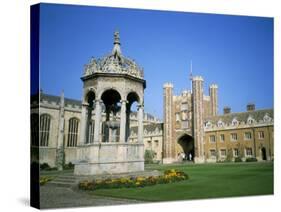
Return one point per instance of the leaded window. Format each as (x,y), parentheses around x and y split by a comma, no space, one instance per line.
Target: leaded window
(222,137)
(235,152)
(267,118)
(261,134)
(249,152)
(223,152)
(72,132)
(45,122)
(220,123)
(212,153)
(212,138)
(208,124)
(233,137)
(235,122)
(247,136)
(250,120)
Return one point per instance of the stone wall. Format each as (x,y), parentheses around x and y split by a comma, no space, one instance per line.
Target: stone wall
(105,158)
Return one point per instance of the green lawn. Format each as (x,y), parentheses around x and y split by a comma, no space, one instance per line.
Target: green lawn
(206,181)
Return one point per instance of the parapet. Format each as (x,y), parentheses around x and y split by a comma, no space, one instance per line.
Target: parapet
(197,78)
(214,86)
(168,85)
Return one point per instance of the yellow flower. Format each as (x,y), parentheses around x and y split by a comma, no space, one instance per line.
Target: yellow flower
(140,178)
(124,180)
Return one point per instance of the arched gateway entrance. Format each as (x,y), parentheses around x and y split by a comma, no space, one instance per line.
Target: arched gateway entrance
(187,143)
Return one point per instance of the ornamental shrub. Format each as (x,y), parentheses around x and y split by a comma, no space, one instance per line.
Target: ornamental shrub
(44,166)
(68,166)
(238,159)
(251,160)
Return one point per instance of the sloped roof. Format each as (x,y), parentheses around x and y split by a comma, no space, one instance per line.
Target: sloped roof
(241,116)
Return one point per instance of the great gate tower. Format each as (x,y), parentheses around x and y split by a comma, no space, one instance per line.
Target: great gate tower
(184,121)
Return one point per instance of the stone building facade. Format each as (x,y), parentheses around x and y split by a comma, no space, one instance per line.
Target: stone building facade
(50,107)
(240,135)
(225,136)
(193,129)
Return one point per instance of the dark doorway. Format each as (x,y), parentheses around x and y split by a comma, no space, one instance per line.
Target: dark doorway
(187,143)
(263,150)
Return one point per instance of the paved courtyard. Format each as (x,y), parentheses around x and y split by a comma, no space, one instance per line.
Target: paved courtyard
(57,197)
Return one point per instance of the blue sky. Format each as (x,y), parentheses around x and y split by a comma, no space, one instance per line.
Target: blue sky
(236,52)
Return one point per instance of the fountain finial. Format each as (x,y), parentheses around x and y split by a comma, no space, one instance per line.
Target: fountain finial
(116,49)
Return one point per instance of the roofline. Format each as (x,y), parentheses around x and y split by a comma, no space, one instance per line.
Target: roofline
(237,113)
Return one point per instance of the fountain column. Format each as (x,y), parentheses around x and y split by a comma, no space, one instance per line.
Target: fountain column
(123,121)
(140,123)
(97,121)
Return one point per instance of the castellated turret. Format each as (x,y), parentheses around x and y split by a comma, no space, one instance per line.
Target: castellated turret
(198,125)
(213,92)
(168,147)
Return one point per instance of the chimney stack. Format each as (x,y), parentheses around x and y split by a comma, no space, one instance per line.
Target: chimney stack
(251,107)
(226,110)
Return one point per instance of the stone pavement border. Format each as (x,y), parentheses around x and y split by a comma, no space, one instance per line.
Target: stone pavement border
(61,197)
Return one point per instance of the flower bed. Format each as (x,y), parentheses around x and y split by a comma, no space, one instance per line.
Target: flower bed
(133,182)
(44,180)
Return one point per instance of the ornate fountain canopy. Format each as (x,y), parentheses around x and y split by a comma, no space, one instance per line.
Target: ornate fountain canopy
(114,63)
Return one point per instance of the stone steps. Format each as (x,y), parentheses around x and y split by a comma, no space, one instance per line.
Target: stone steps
(66,181)
(61,184)
(70,181)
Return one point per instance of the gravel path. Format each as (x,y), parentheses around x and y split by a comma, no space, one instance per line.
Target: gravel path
(58,197)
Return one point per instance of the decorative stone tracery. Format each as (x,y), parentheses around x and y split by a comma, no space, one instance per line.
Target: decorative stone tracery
(114,63)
